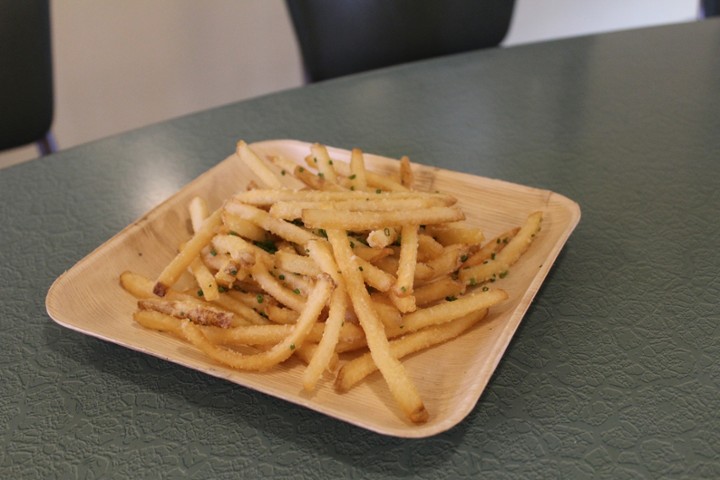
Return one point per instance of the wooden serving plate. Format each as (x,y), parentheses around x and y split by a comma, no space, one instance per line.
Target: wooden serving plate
(450,377)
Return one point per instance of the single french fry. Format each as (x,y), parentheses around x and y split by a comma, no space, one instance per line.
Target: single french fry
(454,233)
(520,242)
(289,298)
(281,315)
(198,210)
(285,165)
(292,262)
(401,387)
(266,197)
(375,277)
(388,313)
(442,288)
(228,271)
(200,313)
(407,179)
(294,281)
(278,353)
(357,176)
(405,304)
(248,315)
(215,260)
(490,249)
(251,335)
(408,260)
(428,247)
(321,254)
(239,250)
(370,254)
(307,352)
(359,221)
(270,334)
(191,250)
(137,285)
(450,310)
(382,238)
(243,228)
(326,348)
(205,279)
(159,321)
(444,264)
(389,263)
(499,267)
(258,166)
(281,228)
(357,369)
(292,209)
(323,163)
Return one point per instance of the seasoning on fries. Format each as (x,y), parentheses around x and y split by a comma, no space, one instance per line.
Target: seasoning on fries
(349,274)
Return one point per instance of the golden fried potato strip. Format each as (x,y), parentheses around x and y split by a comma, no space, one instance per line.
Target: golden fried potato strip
(401,386)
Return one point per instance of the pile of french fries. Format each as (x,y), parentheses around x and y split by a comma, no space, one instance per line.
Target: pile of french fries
(350,273)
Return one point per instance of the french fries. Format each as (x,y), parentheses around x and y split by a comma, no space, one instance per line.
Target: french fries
(350,274)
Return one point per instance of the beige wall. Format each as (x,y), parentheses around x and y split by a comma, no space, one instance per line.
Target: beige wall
(123,64)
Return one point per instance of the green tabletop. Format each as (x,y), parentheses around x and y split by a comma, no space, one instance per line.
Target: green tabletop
(613,373)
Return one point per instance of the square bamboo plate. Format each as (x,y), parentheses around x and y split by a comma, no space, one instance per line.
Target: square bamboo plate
(450,377)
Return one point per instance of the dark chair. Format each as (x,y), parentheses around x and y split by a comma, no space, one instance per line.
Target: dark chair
(340,37)
(710,8)
(26,82)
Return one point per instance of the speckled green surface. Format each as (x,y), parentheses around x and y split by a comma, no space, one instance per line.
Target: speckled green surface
(614,372)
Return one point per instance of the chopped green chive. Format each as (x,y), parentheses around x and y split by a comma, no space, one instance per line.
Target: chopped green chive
(267,245)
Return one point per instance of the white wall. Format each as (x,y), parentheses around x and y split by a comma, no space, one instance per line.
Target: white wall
(121,65)
(537,20)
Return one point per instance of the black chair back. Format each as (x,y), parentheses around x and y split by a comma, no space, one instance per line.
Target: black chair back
(340,37)
(26,81)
